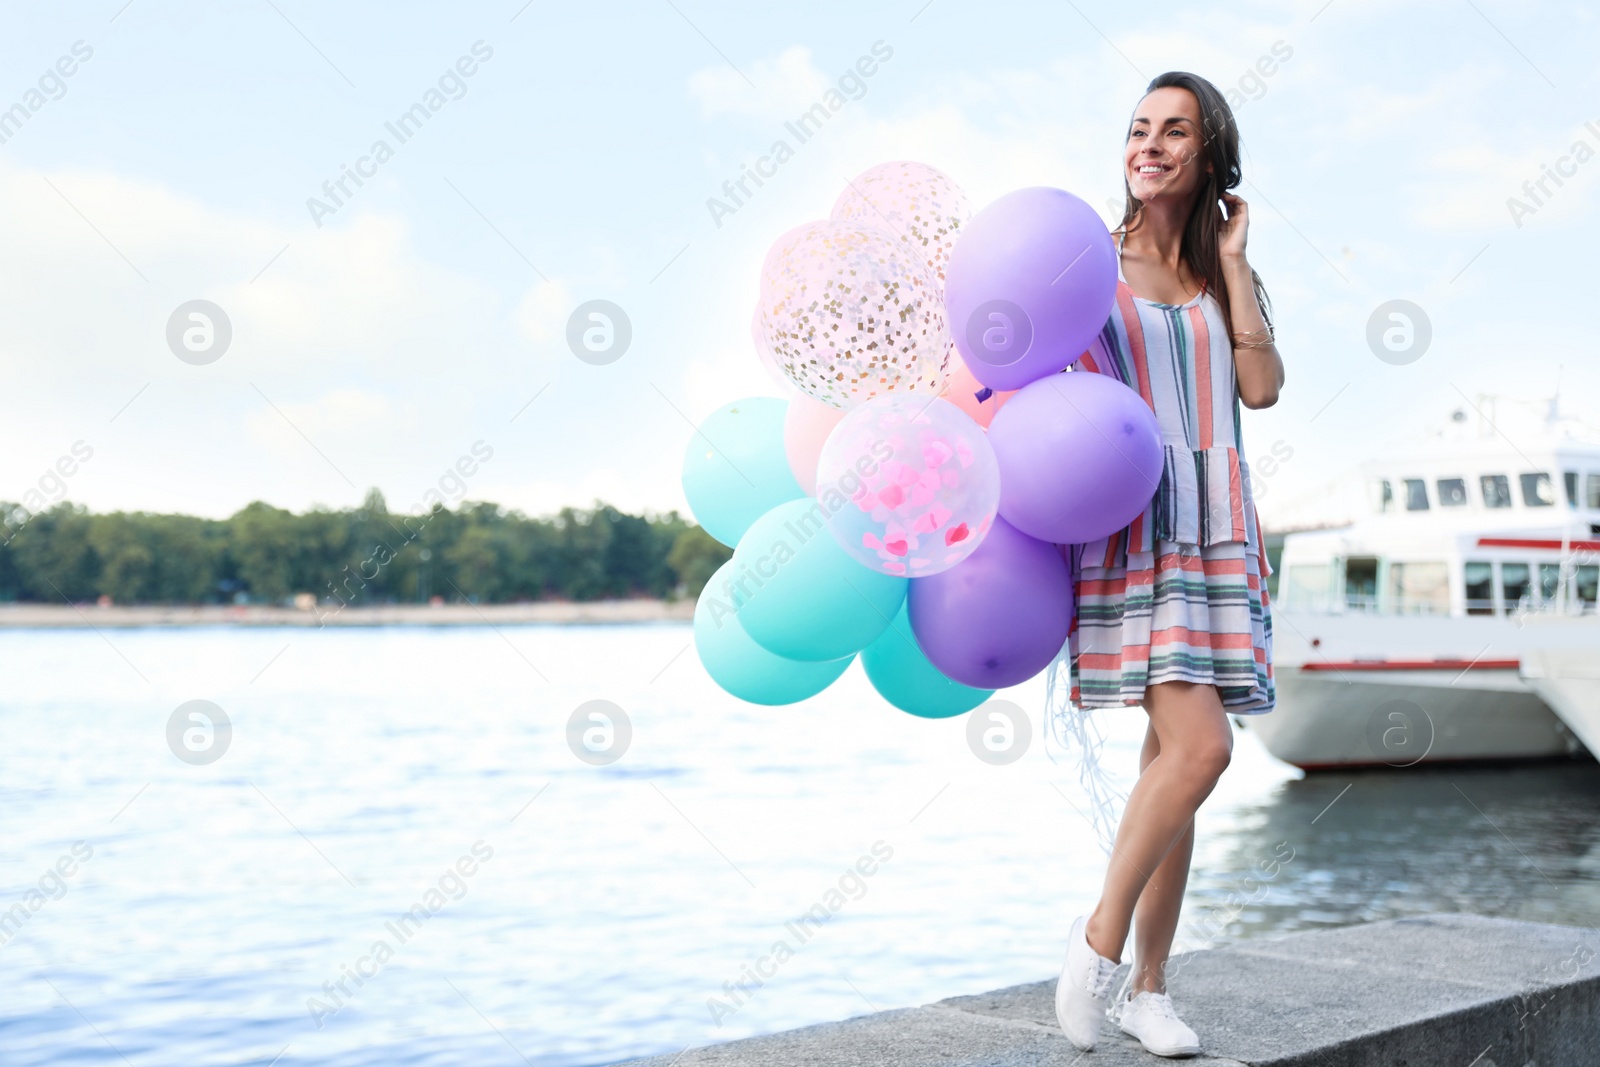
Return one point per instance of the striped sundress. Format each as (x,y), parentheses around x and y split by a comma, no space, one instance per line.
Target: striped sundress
(1180,593)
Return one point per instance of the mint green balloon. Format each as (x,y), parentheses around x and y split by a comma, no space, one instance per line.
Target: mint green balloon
(741,666)
(804,597)
(903,676)
(735,467)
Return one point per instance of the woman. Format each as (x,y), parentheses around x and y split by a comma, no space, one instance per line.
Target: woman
(1172,610)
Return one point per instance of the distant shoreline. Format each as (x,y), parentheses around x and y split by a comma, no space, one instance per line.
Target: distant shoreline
(544,612)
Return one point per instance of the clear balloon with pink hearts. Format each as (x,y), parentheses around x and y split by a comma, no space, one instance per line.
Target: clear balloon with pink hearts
(908,485)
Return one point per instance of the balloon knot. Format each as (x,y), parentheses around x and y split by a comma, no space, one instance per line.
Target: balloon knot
(984,394)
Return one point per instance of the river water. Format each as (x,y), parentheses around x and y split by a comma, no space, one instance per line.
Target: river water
(399,859)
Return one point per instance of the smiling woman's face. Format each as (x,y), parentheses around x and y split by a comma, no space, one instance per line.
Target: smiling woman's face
(1163,157)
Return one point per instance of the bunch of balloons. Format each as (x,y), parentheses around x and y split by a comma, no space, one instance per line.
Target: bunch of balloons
(909,502)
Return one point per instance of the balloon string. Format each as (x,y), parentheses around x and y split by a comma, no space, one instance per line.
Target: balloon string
(1079,732)
(984,394)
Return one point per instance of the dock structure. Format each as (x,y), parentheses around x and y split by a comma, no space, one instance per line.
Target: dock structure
(1448,989)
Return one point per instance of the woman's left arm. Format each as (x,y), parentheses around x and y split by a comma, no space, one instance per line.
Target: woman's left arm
(1257,366)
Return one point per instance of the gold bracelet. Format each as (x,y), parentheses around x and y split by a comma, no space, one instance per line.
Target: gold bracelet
(1253,339)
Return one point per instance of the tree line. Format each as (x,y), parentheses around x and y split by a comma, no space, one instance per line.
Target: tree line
(365,555)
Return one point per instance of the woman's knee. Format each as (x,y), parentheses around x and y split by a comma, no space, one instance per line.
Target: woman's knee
(1206,758)
(1201,740)
(1220,753)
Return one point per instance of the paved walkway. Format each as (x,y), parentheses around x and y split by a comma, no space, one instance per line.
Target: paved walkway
(1447,989)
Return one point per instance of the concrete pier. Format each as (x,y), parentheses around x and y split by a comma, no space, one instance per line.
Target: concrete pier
(1447,989)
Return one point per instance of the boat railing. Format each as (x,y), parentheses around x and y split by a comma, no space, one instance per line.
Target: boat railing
(1558,607)
(1527,605)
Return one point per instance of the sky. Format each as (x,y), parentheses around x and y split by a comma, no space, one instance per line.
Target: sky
(379,338)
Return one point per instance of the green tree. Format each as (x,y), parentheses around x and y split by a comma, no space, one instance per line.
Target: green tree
(476,560)
(359,555)
(186,552)
(695,557)
(636,556)
(264,542)
(54,557)
(530,547)
(325,559)
(127,566)
(579,555)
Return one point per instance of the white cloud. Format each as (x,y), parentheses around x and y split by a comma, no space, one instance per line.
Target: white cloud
(337,417)
(350,331)
(778,88)
(543,312)
(656,489)
(355,293)
(1480,180)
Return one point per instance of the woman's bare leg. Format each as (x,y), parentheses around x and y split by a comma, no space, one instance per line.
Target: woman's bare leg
(1155,917)
(1193,745)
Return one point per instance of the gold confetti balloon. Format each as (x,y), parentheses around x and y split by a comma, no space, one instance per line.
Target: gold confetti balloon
(917,203)
(769,363)
(848,313)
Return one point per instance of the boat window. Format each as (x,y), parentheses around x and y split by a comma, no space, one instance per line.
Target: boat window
(1361,583)
(1496,490)
(1452,492)
(1537,492)
(1549,581)
(1479,577)
(1382,495)
(1419,588)
(1305,587)
(1514,585)
(1416,494)
(1570,478)
(1588,584)
(1591,490)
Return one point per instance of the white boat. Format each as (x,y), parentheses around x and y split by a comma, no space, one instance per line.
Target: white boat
(1455,618)
(1568,680)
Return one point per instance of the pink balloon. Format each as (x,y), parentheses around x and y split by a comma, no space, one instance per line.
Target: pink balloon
(806,426)
(767,360)
(916,202)
(961,389)
(849,312)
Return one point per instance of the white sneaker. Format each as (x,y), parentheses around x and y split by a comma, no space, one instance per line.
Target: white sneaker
(1151,1018)
(1081,992)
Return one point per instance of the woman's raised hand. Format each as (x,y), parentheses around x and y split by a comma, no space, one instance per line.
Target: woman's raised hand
(1231,234)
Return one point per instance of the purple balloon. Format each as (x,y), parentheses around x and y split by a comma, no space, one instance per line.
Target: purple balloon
(1032,280)
(999,616)
(1080,457)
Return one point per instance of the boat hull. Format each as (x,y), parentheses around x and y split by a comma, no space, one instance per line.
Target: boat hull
(1569,681)
(1359,689)
(1326,719)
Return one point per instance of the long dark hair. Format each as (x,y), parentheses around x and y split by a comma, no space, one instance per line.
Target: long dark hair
(1201,249)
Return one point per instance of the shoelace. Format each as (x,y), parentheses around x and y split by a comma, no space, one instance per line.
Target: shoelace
(1100,980)
(1158,1004)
